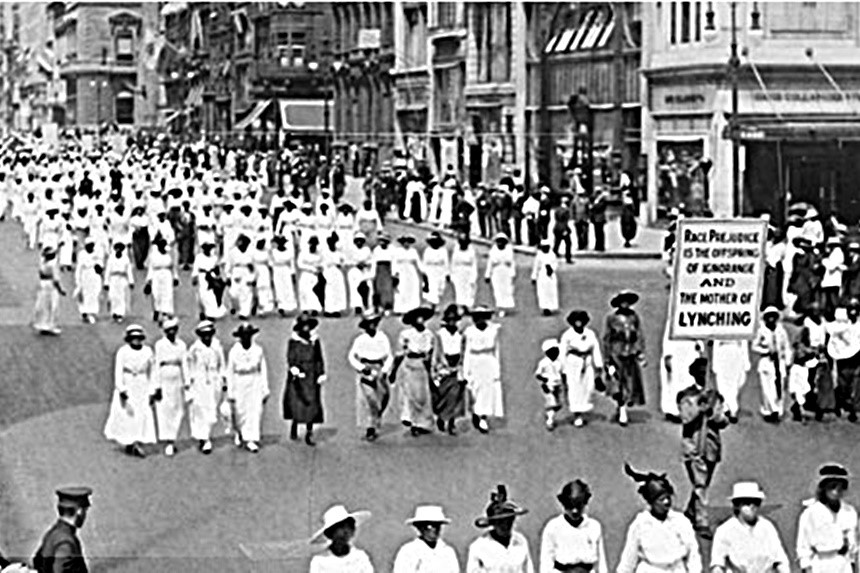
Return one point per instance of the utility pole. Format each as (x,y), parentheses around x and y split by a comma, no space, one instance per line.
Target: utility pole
(734,64)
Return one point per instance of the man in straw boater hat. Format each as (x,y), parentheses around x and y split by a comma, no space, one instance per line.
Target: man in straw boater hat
(748,541)
(827,528)
(573,541)
(302,402)
(482,368)
(60,549)
(774,349)
(205,383)
(428,552)
(339,527)
(624,346)
(658,538)
(130,421)
(371,357)
(247,378)
(501,549)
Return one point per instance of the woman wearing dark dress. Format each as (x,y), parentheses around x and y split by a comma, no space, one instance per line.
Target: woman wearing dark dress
(448,388)
(624,352)
(305,376)
(383,280)
(628,220)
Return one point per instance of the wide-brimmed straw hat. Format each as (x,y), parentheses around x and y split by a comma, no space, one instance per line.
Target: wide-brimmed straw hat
(500,508)
(134,331)
(204,327)
(336,515)
(428,514)
(481,312)
(832,472)
(169,324)
(771,310)
(245,329)
(578,315)
(627,296)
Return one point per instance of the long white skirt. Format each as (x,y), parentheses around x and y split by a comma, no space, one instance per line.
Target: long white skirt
(502,281)
(547,292)
(436,285)
(171,408)
(133,422)
(118,294)
(485,387)
(770,401)
(203,409)
(162,291)
(465,288)
(248,409)
(354,278)
(335,290)
(308,300)
(90,289)
(207,301)
(407,295)
(265,296)
(45,310)
(285,292)
(243,297)
(580,383)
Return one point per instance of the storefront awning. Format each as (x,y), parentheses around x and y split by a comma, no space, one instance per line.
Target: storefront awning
(305,115)
(255,113)
(592,33)
(798,130)
(195,97)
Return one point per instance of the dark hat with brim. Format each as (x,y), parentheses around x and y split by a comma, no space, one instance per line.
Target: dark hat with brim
(481,312)
(626,296)
(74,497)
(205,327)
(245,329)
(406,239)
(451,314)
(499,509)
(832,472)
(578,316)
(424,312)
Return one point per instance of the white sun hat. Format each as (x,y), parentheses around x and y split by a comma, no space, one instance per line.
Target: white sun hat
(428,514)
(338,514)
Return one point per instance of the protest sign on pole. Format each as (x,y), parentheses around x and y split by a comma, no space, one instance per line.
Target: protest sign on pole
(718,279)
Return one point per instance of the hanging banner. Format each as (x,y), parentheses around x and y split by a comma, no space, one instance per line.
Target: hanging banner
(718,279)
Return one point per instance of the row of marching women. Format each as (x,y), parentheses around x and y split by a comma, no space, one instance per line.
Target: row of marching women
(658,538)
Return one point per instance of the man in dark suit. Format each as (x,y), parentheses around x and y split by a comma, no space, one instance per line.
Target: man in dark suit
(61,550)
(598,219)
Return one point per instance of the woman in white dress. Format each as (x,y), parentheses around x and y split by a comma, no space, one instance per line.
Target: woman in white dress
(436,264)
(678,356)
(205,384)
(731,365)
(482,368)
(341,556)
(573,541)
(335,283)
(171,376)
(88,282)
(582,364)
(160,279)
(206,276)
(545,278)
(408,275)
(359,276)
(263,277)
(309,265)
(120,279)
(47,298)
(239,268)
(130,421)
(283,271)
(247,385)
(464,272)
(500,273)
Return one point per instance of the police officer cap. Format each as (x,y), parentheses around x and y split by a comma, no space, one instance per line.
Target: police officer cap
(78,496)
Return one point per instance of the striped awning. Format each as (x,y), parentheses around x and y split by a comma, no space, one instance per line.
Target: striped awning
(255,113)
(195,97)
(306,115)
(592,33)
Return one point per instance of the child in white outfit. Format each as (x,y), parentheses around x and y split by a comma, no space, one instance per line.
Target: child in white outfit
(548,373)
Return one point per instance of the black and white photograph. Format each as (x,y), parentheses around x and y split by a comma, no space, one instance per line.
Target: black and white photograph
(429,287)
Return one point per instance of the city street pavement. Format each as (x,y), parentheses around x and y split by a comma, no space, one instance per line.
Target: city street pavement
(648,243)
(221,512)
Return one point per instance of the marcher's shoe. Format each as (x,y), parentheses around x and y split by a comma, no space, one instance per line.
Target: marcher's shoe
(440,424)
(371,435)
(294,433)
(202,316)
(358,311)
(309,439)
(622,416)
(796,414)
(772,418)
(206,446)
(252,447)
(819,415)
(452,428)
(546,312)
(237,439)
(282,312)
(550,426)
(501,314)
(672,418)
(483,427)
(852,417)
(137,451)
(578,422)
(129,450)
(169,450)
(733,419)
(476,421)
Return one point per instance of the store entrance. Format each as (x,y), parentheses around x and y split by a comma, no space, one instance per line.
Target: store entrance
(821,176)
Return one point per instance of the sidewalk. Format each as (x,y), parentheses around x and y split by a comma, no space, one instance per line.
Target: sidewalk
(648,243)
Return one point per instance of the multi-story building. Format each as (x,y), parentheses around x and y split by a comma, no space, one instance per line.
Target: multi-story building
(411,78)
(797,91)
(102,54)
(364,55)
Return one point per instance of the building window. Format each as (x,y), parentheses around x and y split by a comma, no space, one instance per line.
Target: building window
(124,48)
(446,14)
(685,22)
(125,108)
(492,23)
(804,18)
(298,52)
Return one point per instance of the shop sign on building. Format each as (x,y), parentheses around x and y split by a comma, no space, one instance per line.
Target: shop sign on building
(718,276)
(369,38)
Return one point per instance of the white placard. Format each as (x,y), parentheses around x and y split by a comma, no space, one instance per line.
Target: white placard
(718,278)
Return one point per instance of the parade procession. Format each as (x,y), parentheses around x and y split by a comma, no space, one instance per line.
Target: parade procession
(429,287)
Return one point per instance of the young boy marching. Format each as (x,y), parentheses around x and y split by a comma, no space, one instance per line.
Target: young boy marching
(548,373)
